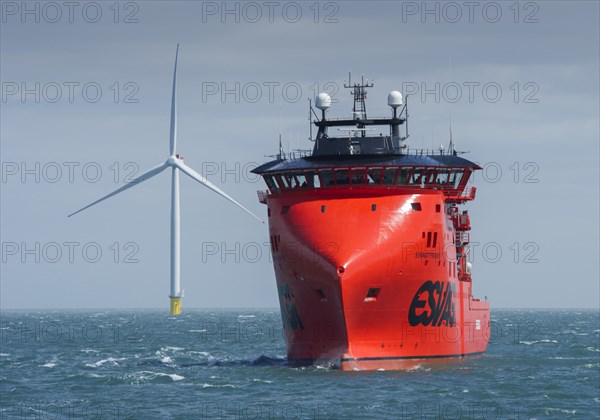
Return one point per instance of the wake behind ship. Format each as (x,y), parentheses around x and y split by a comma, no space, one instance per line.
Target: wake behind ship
(370,245)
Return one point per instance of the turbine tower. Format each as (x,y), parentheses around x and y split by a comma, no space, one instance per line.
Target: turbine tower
(175,162)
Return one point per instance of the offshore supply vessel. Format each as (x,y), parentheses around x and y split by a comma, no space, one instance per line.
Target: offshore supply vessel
(370,246)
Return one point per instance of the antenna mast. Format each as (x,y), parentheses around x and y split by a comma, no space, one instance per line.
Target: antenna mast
(359,91)
(451,145)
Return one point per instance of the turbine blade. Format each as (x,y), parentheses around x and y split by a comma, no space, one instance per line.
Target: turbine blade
(143,177)
(173,132)
(195,175)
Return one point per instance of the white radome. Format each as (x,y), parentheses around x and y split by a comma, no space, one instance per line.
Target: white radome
(323,101)
(395,99)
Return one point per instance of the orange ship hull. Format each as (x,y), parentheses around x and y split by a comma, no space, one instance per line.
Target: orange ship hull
(368,279)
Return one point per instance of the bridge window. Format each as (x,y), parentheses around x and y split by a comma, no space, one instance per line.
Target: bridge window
(375,176)
(359,176)
(299,180)
(341,176)
(291,179)
(326,178)
(455,178)
(271,183)
(428,176)
(415,177)
(389,176)
(312,179)
(442,178)
(283,182)
(403,176)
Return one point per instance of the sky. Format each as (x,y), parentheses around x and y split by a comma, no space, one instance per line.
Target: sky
(86,101)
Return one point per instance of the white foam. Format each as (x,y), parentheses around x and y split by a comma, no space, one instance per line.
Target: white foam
(113,361)
(560,410)
(201,353)
(537,342)
(147,375)
(49,365)
(205,385)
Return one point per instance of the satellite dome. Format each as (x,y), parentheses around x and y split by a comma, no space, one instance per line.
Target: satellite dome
(323,101)
(395,99)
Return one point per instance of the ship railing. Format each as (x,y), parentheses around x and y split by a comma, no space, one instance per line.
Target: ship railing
(263,195)
(431,152)
(294,154)
(460,195)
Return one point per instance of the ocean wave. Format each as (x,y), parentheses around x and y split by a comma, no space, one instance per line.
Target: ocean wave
(552,410)
(145,376)
(418,367)
(170,348)
(205,385)
(538,342)
(260,361)
(111,360)
(261,380)
(246,316)
(49,365)
(198,331)
(200,353)
(166,360)
(592,365)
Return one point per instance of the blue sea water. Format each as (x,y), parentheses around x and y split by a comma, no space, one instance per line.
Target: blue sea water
(231,364)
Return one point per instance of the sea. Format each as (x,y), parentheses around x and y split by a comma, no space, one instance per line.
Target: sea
(231,364)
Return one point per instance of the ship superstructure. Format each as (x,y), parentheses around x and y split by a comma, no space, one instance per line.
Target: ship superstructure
(370,244)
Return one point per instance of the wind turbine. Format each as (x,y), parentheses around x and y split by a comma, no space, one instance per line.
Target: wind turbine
(175,162)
